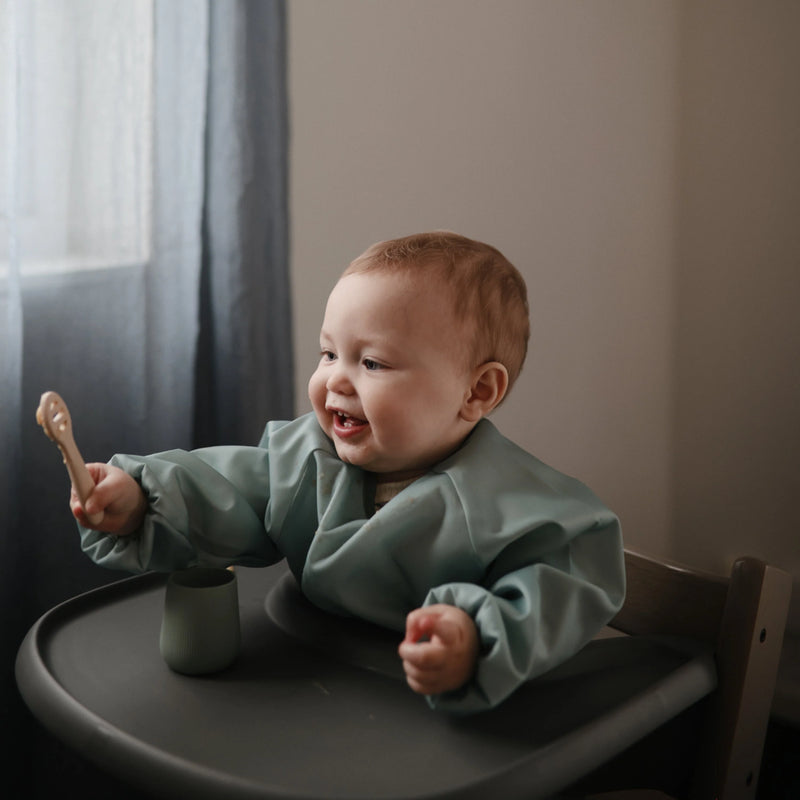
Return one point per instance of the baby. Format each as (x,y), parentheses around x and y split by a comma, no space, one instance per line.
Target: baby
(396,500)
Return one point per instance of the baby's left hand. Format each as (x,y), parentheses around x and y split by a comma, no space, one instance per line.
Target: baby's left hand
(446,659)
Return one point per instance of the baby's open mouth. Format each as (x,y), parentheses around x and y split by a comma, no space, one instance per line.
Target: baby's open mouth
(346,421)
(346,425)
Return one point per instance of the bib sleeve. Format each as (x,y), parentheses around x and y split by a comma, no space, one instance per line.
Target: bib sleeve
(221,505)
(204,507)
(552,563)
(535,616)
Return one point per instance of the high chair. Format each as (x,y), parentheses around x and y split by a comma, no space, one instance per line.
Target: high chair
(316,707)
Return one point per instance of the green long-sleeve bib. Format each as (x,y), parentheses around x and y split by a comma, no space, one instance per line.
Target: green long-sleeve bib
(530,554)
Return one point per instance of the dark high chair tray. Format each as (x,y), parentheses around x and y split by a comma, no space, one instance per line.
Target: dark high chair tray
(315,708)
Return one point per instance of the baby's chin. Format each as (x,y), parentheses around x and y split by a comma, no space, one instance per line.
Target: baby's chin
(382,472)
(346,454)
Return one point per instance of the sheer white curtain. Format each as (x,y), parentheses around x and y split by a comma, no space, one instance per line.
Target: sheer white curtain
(104,109)
(143,256)
(78,132)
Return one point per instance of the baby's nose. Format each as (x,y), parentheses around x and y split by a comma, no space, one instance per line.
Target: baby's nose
(339,380)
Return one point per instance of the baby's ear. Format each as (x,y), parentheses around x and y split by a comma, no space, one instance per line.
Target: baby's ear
(488,388)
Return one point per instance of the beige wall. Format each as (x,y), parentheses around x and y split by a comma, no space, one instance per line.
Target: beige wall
(639,163)
(737,277)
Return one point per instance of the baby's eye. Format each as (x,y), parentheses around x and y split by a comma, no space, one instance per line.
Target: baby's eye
(328,355)
(371,365)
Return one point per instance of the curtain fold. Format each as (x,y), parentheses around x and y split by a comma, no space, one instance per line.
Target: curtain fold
(172,273)
(182,341)
(244,362)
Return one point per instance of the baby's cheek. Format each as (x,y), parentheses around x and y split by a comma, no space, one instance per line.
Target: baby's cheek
(313,389)
(317,396)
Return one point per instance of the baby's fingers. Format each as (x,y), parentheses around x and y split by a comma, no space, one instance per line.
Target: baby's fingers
(105,507)
(90,514)
(422,655)
(422,682)
(420,624)
(77,507)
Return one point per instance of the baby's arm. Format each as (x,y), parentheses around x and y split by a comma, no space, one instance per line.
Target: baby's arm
(202,507)
(440,650)
(117,495)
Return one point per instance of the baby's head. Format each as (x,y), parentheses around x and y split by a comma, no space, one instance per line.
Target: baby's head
(473,280)
(422,337)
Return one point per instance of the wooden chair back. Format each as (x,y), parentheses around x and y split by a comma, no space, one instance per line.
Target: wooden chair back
(743,617)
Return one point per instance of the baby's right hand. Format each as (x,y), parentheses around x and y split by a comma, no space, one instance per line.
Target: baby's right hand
(117,495)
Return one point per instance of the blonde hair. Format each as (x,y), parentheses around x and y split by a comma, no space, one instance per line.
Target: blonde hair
(486,290)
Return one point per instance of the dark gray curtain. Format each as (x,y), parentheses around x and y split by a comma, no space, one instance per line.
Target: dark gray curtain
(189,346)
(245,358)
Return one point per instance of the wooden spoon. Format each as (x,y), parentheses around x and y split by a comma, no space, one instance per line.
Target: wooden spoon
(53,416)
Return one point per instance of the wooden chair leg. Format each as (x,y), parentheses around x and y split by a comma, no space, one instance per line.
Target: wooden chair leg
(748,651)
